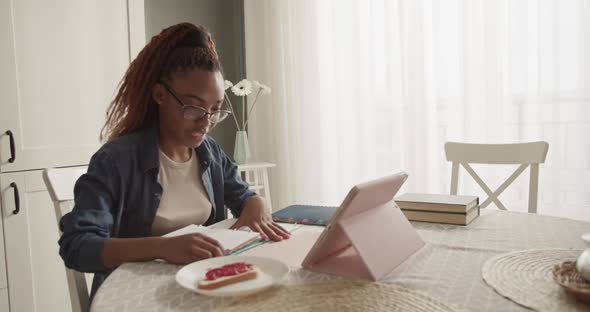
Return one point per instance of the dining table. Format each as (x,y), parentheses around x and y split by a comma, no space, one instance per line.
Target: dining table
(447,269)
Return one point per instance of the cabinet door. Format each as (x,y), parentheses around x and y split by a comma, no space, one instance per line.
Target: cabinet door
(60,63)
(3,283)
(4,306)
(36,273)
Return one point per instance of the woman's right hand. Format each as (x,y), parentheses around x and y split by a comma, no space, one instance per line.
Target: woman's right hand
(189,248)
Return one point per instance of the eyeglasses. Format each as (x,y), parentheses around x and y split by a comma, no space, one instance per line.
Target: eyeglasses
(194,113)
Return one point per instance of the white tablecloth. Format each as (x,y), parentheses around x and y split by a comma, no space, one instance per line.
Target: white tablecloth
(448,268)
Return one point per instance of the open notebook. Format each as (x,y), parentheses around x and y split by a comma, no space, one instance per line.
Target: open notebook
(230,240)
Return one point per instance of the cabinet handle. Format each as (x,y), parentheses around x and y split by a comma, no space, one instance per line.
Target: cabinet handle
(12,148)
(16,198)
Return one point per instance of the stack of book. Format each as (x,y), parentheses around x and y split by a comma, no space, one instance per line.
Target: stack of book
(438,208)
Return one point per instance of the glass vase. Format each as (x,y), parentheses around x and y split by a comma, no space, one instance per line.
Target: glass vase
(241,148)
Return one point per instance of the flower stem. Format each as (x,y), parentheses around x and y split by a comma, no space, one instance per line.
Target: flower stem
(233,113)
(243,113)
(252,107)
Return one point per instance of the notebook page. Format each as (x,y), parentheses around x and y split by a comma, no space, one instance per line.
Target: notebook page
(291,251)
(192,228)
(230,240)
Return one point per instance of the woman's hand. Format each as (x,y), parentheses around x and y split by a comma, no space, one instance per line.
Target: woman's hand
(256,218)
(189,248)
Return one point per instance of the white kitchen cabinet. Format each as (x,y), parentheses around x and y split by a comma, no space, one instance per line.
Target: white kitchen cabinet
(60,64)
(4,300)
(3,281)
(36,274)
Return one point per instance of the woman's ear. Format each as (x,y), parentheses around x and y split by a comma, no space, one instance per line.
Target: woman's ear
(158,93)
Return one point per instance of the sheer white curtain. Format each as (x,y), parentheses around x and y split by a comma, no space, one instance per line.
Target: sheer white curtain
(366,88)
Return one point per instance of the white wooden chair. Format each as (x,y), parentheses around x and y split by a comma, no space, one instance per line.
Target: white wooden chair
(60,184)
(525,154)
(256,175)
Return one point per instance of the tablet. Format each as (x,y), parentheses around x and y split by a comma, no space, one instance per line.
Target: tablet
(368,236)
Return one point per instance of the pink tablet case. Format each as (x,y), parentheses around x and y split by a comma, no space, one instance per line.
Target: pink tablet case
(368,236)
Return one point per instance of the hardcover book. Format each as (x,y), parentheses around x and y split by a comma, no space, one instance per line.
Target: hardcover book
(305,214)
(439,208)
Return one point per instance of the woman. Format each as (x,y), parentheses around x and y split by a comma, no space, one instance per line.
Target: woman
(159,171)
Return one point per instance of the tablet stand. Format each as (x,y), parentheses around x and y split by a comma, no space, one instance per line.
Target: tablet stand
(374,242)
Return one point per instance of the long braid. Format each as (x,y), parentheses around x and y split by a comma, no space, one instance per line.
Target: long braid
(176,48)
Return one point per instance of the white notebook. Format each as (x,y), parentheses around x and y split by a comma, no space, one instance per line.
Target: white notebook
(230,240)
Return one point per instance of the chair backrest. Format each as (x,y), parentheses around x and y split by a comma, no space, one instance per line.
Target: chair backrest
(60,185)
(526,154)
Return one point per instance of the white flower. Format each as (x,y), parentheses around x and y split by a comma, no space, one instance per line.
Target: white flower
(227,84)
(257,86)
(264,89)
(242,88)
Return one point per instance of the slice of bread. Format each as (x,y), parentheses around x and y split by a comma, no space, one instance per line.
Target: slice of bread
(227,280)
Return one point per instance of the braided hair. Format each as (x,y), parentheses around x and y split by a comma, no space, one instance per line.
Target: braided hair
(180,47)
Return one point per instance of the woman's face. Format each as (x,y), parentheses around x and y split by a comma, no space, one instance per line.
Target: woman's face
(195,87)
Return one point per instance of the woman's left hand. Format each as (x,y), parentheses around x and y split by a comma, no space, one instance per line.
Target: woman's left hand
(255,217)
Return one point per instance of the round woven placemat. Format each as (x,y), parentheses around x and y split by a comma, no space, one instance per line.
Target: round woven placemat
(526,278)
(337,296)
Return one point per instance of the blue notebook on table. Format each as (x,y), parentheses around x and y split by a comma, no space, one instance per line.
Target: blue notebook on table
(305,214)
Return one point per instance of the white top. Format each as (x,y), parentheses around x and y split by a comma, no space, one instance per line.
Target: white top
(184,199)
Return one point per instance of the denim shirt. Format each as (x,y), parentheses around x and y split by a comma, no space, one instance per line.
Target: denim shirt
(120,193)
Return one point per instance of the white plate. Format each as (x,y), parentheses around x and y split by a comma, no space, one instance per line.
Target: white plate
(271,272)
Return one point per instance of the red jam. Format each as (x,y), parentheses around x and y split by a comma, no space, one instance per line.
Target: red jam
(228,270)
